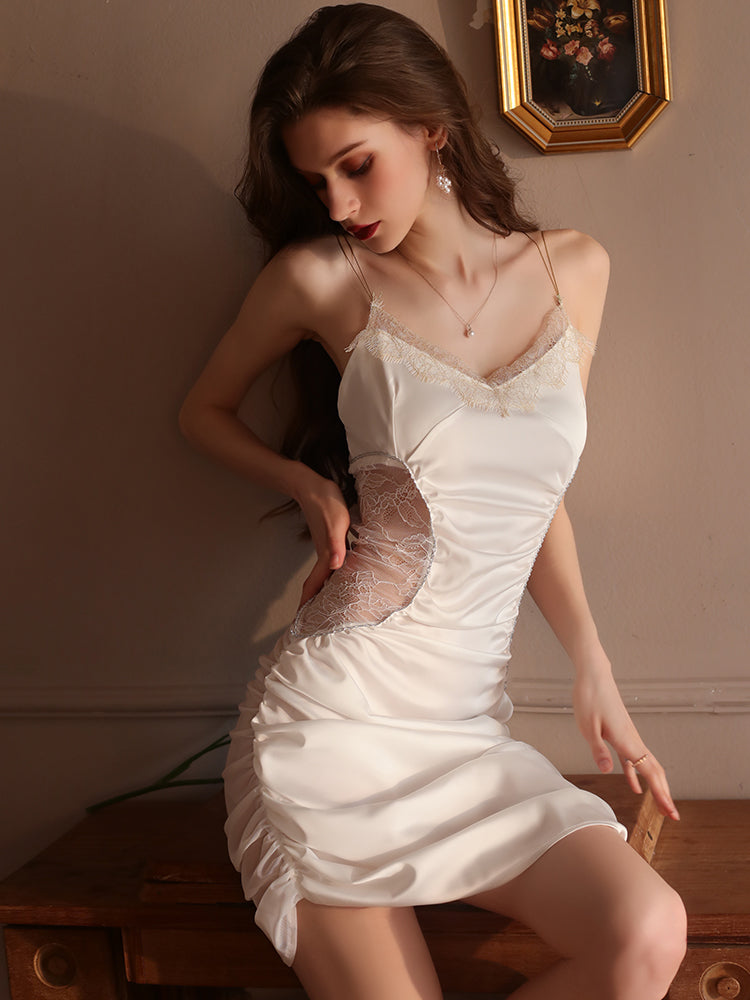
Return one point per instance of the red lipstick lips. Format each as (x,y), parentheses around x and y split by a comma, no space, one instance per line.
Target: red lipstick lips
(364,232)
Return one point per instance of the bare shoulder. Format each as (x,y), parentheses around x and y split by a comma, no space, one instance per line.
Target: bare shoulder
(332,294)
(290,292)
(314,272)
(578,257)
(581,266)
(281,309)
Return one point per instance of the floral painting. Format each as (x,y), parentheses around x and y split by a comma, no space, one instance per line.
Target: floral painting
(582,57)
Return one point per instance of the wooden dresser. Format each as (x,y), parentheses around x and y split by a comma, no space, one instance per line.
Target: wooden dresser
(142,893)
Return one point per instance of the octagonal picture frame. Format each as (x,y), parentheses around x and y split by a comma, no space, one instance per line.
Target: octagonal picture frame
(582,75)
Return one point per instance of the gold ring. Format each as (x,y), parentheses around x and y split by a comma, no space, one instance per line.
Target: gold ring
(635,763)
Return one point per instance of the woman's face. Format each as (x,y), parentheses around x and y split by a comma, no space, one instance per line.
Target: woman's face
(372,175)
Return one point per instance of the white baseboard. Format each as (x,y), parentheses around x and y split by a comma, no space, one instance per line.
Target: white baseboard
(719,696)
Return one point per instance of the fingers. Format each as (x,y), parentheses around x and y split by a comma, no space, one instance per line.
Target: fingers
(332,551)
(330,559)
(337,548)
(603,720)
(632,775)
(646,766)
(327,517)
(592,730)
(602,756)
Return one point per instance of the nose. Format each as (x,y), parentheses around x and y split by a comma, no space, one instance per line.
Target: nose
(341,200)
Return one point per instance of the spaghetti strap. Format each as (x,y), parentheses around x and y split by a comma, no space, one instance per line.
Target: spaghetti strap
(547,261)
(351,259)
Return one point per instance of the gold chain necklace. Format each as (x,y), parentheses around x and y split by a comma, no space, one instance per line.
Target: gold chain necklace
(468,328)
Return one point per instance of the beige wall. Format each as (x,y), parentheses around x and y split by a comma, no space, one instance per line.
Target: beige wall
(140,586)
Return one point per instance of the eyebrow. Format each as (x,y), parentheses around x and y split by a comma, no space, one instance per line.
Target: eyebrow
(336,156)
(345,150)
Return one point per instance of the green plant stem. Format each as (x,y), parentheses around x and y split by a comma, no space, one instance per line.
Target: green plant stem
(168,780)
(157,786)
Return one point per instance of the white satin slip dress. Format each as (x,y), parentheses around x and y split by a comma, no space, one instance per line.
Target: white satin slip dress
(372,763)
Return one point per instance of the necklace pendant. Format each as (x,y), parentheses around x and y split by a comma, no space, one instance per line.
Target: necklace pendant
(468,332)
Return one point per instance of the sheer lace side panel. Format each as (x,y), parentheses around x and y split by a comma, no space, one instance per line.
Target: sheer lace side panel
(389,558)
(512,387)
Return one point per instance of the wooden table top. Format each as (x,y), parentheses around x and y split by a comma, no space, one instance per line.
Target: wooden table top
(164,863)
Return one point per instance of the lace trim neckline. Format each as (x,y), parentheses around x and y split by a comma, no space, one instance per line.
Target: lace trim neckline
(512,386)
(553,328)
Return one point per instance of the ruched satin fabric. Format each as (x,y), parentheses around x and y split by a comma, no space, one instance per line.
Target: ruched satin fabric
(372,763)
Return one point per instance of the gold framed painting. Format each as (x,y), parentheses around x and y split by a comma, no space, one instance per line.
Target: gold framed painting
(581,75)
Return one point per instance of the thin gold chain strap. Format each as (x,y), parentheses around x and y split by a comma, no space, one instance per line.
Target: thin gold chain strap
(547,264)
(353,262)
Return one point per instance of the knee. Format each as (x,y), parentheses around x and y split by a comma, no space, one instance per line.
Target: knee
(653,946)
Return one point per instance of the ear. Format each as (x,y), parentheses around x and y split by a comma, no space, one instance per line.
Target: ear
(436,137)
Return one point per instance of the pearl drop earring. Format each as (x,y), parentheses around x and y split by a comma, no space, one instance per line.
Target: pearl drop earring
(442,179)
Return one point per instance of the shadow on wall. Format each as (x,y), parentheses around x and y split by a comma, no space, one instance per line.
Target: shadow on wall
(128,558)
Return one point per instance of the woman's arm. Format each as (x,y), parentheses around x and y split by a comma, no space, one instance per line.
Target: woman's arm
(556,584)
(270,323)
(557,589)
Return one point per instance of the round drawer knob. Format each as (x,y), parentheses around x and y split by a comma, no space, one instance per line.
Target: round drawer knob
(725,981)
(55,965)
(728,987)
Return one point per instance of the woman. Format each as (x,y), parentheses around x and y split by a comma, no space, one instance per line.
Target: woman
(372,769)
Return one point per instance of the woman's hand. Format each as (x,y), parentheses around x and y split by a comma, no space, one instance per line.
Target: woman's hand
(601,715)
(327,518)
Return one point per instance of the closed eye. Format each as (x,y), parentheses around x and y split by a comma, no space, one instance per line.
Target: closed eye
(319,183)
(362,169)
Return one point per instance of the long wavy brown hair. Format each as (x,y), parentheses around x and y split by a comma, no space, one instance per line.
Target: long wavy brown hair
(371,60)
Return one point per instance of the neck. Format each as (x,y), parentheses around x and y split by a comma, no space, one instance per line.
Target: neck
(446,241)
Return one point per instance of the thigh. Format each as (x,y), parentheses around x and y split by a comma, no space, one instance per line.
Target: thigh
(349,953)
(587,892)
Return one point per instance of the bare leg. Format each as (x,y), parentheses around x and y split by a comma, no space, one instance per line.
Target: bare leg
(346,953)
(620,927)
